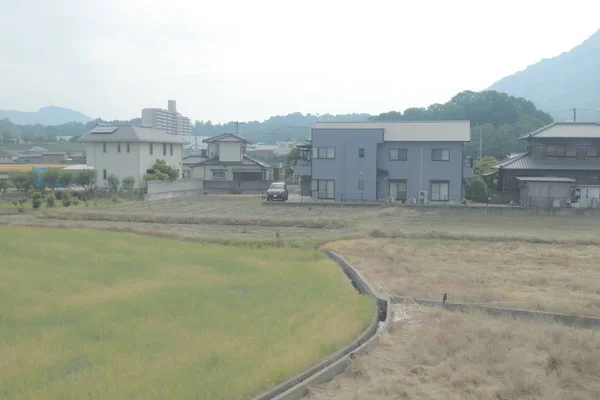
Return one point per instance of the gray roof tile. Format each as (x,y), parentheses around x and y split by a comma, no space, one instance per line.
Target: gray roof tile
(563,130)
(526,161)
(128,133)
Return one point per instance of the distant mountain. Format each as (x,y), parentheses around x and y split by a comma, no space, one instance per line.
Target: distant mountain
(279,127)
(570,80)
(45,116)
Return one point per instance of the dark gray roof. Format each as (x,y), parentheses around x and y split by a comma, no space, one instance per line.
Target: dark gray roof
(544,179)
(565,130)
(192,160)
(225,137)
(245,161)
(526,161)
(128,133)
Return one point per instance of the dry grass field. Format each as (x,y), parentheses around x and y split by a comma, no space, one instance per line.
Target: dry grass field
(471,356)
(27,167)
(523,261)
(561,278)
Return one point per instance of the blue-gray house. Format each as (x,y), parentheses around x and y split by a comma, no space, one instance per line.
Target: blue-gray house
(414,162)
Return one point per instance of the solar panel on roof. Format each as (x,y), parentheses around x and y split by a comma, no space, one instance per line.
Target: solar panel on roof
(104,129)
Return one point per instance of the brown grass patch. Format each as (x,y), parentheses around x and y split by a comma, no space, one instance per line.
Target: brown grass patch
(559,277)
(472,356)
(320,223)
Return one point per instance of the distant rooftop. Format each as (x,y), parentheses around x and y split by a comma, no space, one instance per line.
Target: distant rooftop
(409,131)
(128,133)
(225,137)
(565,130)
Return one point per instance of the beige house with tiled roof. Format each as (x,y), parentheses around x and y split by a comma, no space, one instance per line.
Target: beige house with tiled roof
(228,161)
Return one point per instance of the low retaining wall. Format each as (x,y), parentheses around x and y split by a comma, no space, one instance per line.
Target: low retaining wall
(235,187)
(159,190)
(335,364)
(565,319)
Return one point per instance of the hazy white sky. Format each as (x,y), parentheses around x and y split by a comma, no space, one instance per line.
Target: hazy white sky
(247,60)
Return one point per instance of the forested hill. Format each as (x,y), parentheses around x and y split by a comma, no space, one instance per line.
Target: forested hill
(569,80)
(500,118)
(279,127)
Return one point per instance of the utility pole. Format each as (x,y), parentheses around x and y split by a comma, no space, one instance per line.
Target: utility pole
(237,127)
(574,115)
(480,143)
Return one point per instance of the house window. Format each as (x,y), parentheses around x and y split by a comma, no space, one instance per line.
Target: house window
(164,149)
(151,148)
(171,149)
(118,147)
(323,152)
(104,147)
(219,174)
(440,155)
(591,151)
(128,147)
(398,154)
(571,151)
(361,185)
(361,153)
(439,191)
(325,188)
(398,190)
(556,151)
(104,174)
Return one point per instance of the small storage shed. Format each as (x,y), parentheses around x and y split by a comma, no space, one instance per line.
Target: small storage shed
(545,191)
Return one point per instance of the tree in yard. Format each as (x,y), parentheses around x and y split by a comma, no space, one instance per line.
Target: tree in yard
(66,179)
(22,181)
(51,177)
(128,183)
(484,165)
(113,182)
(87,179)
(162,172)
(477,186)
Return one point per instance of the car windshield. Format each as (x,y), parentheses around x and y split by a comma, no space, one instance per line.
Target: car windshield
(276,186)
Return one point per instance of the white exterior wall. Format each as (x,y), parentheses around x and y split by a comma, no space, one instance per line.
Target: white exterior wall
(135,163)
(230,151)
(121,164)
(147,160)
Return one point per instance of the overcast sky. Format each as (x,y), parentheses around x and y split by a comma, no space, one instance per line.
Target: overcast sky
(247,60)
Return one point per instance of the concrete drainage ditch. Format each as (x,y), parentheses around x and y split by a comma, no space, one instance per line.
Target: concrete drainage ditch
(297,387)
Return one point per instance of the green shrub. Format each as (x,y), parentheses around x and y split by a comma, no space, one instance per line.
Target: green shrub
(66,201)
(127,183)
(58,194)
(76,201)
(113,183)
(115,198)
(50,201)
(36,203)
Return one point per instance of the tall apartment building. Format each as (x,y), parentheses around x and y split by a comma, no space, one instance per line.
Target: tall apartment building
(169,121)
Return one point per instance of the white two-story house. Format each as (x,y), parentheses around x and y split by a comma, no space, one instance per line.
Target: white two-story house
(227,161)
(126,150)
